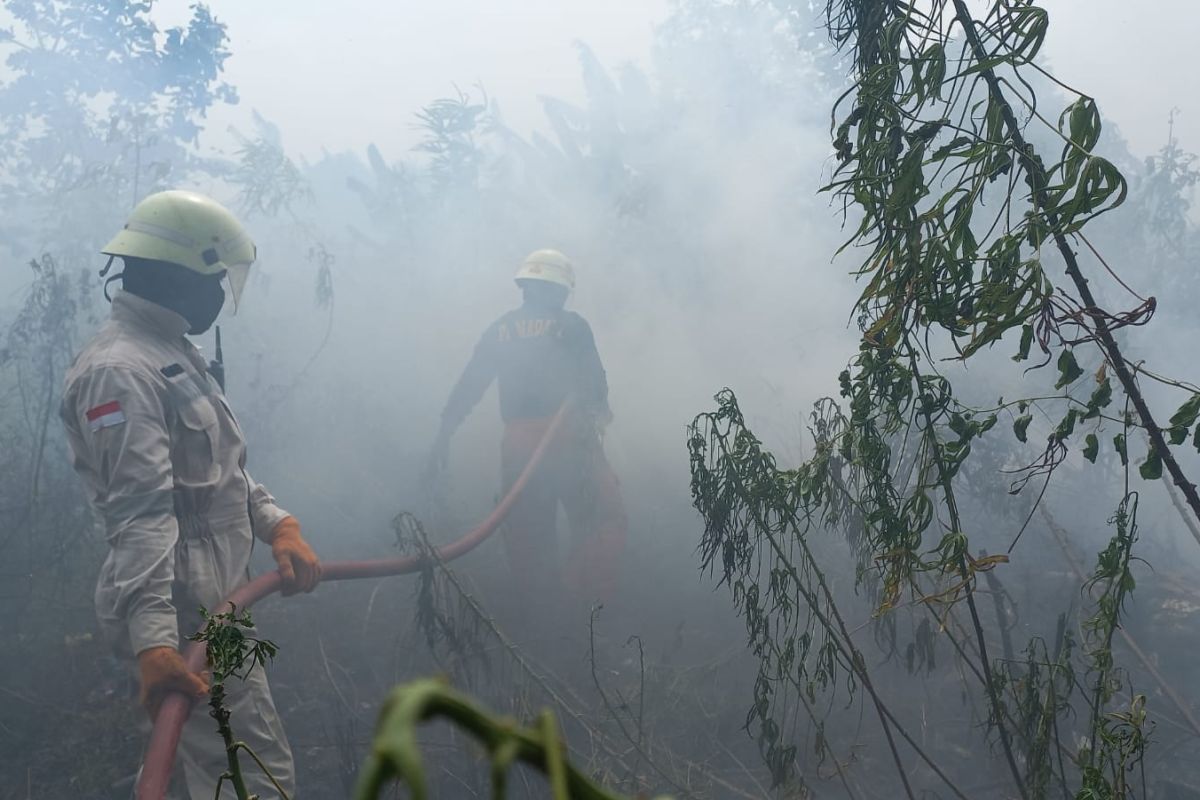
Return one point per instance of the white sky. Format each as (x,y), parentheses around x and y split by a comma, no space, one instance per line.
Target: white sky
(340,75)
(1136,58)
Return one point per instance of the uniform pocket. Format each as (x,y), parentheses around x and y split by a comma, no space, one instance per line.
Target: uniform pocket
(194,442)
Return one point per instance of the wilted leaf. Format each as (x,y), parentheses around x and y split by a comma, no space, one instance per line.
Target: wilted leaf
(1068,369)
(1151,468)
(1185,415)
(1026,343)
(1091,447)
(1021,426)
(1119,444)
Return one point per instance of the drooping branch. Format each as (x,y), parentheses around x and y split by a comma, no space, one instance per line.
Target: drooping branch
(1038,181)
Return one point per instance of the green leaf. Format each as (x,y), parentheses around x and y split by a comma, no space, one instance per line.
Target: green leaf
(983,66)
(946,150)
(1119,444)
(1068,369)
(1026,343)
(1177,435)
(1186,415)
(958,424)
(1151,469)
(1067,426)
(1033,22)
(1021,425)
(1083,123)
(1101,398)
(1091,447)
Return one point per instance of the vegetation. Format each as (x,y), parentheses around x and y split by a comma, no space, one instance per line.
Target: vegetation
(919,618)
(396,751)
(232,653)
(963,220)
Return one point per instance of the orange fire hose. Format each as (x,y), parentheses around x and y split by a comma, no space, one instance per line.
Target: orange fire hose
(159,759)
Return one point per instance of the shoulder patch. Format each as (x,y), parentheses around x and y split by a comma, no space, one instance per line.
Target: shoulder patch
(171,370)
(106,415)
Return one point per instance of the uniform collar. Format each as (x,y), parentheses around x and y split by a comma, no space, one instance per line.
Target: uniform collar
(129,308)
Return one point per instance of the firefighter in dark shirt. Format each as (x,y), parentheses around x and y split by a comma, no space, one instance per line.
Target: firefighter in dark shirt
(540,354)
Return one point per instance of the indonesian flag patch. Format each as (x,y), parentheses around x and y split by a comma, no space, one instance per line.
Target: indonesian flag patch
(105,416)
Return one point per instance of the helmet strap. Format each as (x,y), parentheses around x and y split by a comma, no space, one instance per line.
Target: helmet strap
(111,278)
(104,272)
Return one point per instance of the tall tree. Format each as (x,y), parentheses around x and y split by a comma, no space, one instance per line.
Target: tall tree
(98,108)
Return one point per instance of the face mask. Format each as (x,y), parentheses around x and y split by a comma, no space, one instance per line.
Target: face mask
(197,298)
(202,307)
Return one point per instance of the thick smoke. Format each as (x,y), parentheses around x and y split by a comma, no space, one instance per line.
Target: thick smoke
(686,192)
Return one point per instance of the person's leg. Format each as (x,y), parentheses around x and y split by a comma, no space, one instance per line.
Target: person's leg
(599,526)
(530,531)
(253,720)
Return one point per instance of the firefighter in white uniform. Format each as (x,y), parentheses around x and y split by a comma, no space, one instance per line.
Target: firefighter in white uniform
(164,462)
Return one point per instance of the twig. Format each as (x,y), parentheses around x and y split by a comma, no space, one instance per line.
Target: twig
(1188,519)
(329,674)
(641,703)
(1184,710)
(599,738)
(613,712)
(220,713)
(998,595)
(254,756)
(989,683)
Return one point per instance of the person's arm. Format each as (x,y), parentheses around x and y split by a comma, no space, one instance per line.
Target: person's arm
(299,566)
(476,377)
(265,513)
(593,381)
(123,450)
(467,392)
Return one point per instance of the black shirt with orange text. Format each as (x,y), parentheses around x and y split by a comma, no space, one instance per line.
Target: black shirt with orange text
(537,356)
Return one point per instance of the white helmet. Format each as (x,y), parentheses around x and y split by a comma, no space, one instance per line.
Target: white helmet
(547,265)
(191,230)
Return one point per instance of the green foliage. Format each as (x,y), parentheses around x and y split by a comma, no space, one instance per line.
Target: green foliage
(957,214)
(98,107)
(268,181)
(452,125)
(1121,740)
(1118,737)
(232,652)
(48,561)
(1068,370)
(396,752)
(63,51)
(1166,242)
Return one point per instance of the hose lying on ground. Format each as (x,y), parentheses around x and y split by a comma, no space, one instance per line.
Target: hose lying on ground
(168,725)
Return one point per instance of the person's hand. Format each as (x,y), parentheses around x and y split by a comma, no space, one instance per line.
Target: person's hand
(298,564)
(162,672)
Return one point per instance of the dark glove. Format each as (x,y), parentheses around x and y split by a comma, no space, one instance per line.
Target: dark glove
(163,672)
(298,564)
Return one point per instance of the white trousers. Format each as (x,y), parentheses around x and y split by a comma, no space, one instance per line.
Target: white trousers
(255,721)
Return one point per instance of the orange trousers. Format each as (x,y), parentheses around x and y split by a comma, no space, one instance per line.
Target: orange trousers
(575,473)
